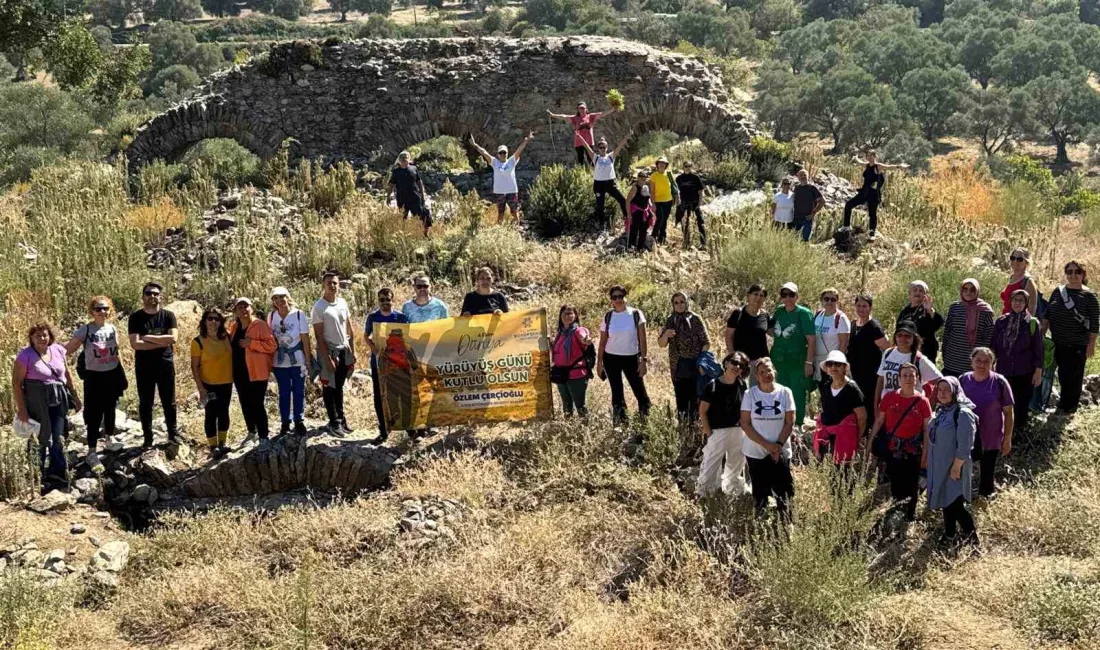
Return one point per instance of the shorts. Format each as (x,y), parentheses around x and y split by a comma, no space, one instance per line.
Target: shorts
(416,206)
(502,199)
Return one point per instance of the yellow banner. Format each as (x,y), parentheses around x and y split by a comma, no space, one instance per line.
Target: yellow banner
(490,368)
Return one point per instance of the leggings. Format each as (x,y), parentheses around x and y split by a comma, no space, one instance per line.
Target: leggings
(686,209)
(660,227)
(770,477)
(216,413)
(156,377)
(988,472)
(1071,374)
(602,189)
(904,476)
(1022,389)
(871,197)
(616,366)
(251,395)
(573,394)
(100,402)
(956,515)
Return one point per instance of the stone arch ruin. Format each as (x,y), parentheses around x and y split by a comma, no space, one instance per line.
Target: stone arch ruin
(354,100)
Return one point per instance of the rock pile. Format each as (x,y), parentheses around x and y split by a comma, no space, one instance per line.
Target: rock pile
(103,568)
(424,521)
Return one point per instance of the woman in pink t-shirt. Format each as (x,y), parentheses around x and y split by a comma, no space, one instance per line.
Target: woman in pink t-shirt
(583,123)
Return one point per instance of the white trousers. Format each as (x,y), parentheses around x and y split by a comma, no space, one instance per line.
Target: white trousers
(723,463)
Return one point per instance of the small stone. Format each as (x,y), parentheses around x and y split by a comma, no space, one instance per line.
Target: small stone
(78,529)
(104,579)
(94,541)
(145,493)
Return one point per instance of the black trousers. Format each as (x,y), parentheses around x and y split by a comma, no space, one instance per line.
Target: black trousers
(685,210)
(216,413)
(602,189)
(582,156)
(687,399)
(251,395)
(1071,374)
(988,471)
(770,477)
(333,394)
(1022,389)
(152,378)
(100,402)
(616,366)
(904,473)
(638,227)
(955,516)
(660,225)
(868,196)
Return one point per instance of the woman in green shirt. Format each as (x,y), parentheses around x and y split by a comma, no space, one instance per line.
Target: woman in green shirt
(793,345)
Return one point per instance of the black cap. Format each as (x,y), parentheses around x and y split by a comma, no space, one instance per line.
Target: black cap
(906,326)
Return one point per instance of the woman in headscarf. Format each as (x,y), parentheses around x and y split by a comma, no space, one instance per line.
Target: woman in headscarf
(922,313)
(969,325)
(950,439)
(1018,345)
(993,401)
(570,367)
(686,338)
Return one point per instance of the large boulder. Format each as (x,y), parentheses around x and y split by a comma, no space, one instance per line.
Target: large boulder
(111,556)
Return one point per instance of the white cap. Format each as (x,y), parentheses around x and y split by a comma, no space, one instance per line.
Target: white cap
(280,291)
(790,286)
(502,148)
(836,356)
(242,299)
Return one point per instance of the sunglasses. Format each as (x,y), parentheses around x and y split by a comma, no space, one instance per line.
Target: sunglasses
(421,286)
(1075,272)
(833,364)
(618,296)
(969,289)
(101,308)
(1017,258)
(787,294)
(906,334)
(828,299)
(152,293)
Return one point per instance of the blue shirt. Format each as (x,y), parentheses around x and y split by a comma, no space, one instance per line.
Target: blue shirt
(377,316)
(434,309)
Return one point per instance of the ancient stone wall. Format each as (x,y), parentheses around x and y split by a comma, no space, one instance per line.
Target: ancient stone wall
(356,99)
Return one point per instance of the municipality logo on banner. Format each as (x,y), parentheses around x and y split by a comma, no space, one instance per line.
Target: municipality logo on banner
(478,369)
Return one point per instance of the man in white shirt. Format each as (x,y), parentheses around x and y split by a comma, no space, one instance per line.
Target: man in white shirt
(332,324)
(505,187)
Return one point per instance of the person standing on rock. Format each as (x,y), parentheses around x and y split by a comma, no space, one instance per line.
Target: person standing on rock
(99,367)
(583,134)
(153,333)
(212,369)
(42,389)
(666,195)
(253,349)
(1073,318)
(332,327)
(424,307)
(505,187)
(291,328)
(808,201)
(603,177)
(923,315)
(690,188)
(385,313)
(871,192)
(406,183)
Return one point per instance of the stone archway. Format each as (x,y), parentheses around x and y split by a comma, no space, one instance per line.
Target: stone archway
(353,100)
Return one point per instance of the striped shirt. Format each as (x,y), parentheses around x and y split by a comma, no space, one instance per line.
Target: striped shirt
(1064,327)
(956,349)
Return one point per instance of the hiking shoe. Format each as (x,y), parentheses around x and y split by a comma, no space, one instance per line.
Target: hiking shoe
(345,429)
(285,429)
(300,428)
(334,429)
(96,465)
(222,449)
(264,445)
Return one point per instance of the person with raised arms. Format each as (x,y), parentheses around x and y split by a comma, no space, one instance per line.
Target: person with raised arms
(603,177)
(505,187)
(583,123)
(923,315)
(870,194)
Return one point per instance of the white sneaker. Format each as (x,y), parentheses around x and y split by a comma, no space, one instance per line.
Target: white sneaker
(96,465)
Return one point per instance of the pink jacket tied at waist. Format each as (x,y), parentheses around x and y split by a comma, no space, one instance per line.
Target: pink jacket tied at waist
(845,438)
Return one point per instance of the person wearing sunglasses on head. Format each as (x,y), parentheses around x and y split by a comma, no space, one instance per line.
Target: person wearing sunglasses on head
(969,325)
(212,370)
(385,313)
(423,306)
(623,351)
(1020,280)
(99,367)
(1073,318)
(685,336)
(153,331)
(793,346)
(291,328)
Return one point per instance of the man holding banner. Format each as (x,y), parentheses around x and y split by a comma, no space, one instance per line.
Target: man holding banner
(470,370)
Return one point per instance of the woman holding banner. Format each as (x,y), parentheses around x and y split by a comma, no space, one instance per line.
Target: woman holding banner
(571,366)
(483,300)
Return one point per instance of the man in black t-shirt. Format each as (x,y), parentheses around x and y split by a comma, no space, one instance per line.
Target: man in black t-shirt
(691,193)
(405,181)
(808,201)
(153,332)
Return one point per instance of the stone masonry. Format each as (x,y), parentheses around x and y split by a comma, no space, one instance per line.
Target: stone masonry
(354,100)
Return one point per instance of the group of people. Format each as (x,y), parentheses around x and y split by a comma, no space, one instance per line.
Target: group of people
(232,352)
(883,393)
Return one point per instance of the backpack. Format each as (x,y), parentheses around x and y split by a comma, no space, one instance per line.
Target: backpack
(836,322)
(81,362)
(711,370)
(607,320)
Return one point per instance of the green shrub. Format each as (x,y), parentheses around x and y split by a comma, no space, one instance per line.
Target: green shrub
(1081,200)
(908,148)
(288,58)
(327,190)
(1025,206)
(1090,221)
(443,154)
(29,609)
(229,164)
(1019,167)
(766,155)
(19,163)
(1066,609)
(732,173)
(561,201)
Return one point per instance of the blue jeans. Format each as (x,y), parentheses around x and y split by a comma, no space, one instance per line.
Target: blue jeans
(52,445)
(291,385)
(806,226)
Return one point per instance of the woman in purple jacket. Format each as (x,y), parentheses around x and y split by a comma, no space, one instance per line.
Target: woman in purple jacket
(1018,344)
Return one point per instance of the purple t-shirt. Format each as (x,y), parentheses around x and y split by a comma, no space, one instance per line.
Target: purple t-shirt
(989,397)
(50,367)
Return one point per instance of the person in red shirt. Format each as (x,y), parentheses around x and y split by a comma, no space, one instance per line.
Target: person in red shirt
(903,416)
(583,124)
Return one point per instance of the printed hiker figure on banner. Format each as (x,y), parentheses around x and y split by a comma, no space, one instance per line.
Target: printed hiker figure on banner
(472,370)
